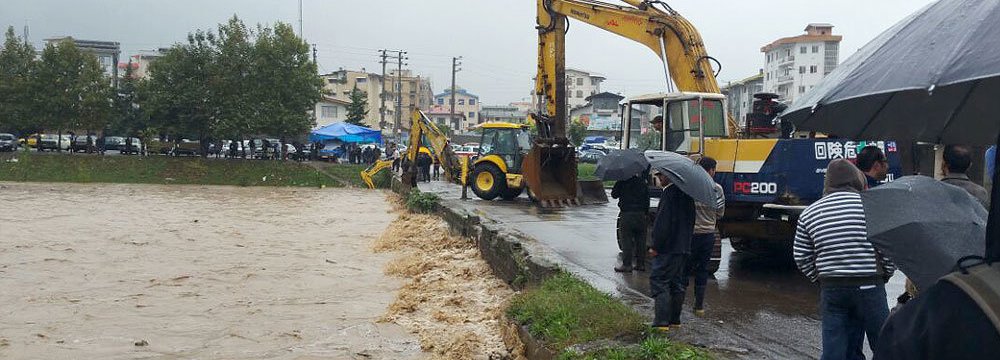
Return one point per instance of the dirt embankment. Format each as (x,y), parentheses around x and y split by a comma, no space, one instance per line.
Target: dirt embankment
(451,300)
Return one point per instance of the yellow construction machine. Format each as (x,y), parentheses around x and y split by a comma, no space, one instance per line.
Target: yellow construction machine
(424,137)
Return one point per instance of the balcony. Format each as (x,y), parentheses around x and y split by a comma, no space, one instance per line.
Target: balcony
(786,60)
(786,79)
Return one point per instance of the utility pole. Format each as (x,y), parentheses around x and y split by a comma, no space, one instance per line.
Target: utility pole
(314,56)
(454,69)
(381,96)
(399,93)
(300,20)
(386,56)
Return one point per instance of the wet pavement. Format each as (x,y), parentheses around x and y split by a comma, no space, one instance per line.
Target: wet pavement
(758,306)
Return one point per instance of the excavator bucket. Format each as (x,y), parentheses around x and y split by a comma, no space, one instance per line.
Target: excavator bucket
(550,172)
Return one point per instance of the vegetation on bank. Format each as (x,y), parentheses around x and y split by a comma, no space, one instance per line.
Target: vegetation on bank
(158,170)
(586,171)
(422,202)
(564,311)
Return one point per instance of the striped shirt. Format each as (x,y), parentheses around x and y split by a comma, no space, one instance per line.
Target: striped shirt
(831,240)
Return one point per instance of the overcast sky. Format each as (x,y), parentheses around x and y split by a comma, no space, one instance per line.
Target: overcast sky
(496,38)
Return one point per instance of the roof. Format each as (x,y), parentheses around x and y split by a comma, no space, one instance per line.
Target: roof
(501,125)
(333,100)
(675,96)
(604,94)
(443,110)
(817,25)
(589,73)
(800,39)
(459,91)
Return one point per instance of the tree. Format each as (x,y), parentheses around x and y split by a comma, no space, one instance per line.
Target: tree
(577,132)
(71,89)
(16,70)
(357,110)
(179,96)
(129,117)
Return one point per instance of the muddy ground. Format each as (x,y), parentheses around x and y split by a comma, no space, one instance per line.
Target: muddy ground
(191,272)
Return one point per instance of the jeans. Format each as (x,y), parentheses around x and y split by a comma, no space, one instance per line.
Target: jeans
(666,289)
(849,312)
(701,254)
(632,237)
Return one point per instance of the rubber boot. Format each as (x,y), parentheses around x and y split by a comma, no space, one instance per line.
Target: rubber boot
(676,303)
(661,310)
(699,300)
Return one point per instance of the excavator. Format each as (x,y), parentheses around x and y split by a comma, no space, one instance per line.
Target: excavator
(424,137)
(768,178)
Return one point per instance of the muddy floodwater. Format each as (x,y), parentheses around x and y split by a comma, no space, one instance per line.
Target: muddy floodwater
(190,272)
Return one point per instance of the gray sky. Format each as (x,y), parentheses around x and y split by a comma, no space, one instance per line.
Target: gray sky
(496,38)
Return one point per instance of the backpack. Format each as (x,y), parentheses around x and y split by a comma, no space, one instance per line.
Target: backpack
(982,284)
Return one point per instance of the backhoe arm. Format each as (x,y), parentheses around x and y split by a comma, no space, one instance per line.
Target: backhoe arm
(422,128)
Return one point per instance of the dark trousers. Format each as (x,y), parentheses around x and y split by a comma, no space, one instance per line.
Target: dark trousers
(666,289)
(848,312)
(697,266)
(632,237)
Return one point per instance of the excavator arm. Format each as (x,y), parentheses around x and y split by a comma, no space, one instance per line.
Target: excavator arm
(550,169)
(421,128)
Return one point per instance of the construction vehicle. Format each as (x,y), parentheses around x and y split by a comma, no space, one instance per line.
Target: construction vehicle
(496,170)
(768,180)
(424,137)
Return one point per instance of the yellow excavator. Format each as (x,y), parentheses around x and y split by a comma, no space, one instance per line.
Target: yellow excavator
(421,129)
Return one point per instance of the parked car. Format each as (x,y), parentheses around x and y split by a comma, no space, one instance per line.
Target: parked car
(131,147)
(188,147)
(157,146)
(591,156)
(111,143)
(8,142)
(80,142)
(54,142)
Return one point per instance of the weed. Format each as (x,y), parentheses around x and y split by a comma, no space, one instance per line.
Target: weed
(421,202)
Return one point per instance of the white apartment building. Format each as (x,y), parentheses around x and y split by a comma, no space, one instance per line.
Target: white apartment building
(739,95)
(580,85)
(793,65)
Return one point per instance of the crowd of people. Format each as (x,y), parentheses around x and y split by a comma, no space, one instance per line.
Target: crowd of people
(831,248)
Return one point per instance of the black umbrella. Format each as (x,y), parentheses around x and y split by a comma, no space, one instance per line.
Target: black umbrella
(688,176)
(621,165)
(924,226)
(933,77)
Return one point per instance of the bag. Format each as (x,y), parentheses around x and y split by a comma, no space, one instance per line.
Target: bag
(982,284)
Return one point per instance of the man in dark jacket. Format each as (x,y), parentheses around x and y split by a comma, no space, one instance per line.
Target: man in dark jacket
(672,231)
(957,160)
(633,205)
(873,163)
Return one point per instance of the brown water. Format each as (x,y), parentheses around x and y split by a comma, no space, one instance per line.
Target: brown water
(190,272)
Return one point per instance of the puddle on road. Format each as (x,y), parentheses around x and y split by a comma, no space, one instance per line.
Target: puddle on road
(451,299)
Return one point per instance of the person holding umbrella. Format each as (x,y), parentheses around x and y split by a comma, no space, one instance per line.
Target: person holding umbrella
(703,241)
(684,182)
(630,171)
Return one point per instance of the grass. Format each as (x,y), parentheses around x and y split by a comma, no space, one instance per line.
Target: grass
(586,171)
(652,348)
(349,173)
(158,170)
(565,310)
(421,202)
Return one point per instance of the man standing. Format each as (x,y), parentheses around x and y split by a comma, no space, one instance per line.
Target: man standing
(633,205)
(672,230)
(832,247)
(872,162)
(703,241)
(957,159)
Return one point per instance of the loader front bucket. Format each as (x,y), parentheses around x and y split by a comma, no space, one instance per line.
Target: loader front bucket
(590,192)
(550,172)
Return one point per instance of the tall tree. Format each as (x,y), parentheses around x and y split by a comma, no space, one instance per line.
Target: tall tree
(577,132)
(16,70)
(179,97)
(357,110)
(238,97)
(71,89)
(129,117)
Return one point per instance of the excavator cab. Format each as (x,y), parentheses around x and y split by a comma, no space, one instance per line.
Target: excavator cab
(688,120)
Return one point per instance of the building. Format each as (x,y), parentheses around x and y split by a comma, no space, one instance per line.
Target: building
(442,116)
(579,85)
(339,85)
(798,63)
(739,95)
(330,110)
(465,103)
(107,53)
(141,62)
(602,114)
(505,113)
(409,93)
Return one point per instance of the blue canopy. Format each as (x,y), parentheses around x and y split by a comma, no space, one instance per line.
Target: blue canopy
(347,133)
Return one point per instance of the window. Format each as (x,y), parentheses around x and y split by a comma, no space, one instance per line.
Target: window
(579,81)
(815,49)
(812,69)
(594,81)
(440,101)
(579,94)
(802,69)
(802,50)
(472,101)
(768,58)
(768,75)
(472,115)
(362,80)
(802,89)
(461,101)
(788,52)
(329,111)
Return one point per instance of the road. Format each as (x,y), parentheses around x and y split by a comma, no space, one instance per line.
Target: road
(758,307)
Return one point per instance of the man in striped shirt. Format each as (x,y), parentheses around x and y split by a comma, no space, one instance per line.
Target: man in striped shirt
(832,247)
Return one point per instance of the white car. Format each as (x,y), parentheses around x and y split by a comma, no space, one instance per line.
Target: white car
(55,142)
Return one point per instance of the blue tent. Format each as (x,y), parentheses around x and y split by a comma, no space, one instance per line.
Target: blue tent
(347,133)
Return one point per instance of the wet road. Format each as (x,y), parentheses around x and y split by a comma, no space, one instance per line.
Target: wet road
(758,306)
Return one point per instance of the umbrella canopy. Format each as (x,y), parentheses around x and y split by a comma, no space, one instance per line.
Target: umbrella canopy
(347,133)
(932,77)
(924,226)
(621,165)
(683,172)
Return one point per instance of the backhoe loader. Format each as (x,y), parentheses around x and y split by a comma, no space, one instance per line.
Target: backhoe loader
(423,135)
